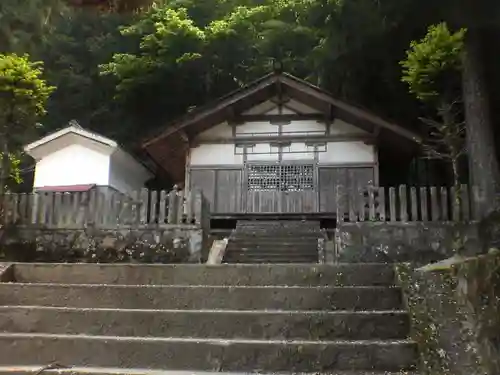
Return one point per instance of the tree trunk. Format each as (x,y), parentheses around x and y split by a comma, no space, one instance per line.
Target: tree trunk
(4,163)
(480,142)
(457,199)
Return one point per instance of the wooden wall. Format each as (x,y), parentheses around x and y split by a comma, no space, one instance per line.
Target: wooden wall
(350,177)
(226,191)
(221,187)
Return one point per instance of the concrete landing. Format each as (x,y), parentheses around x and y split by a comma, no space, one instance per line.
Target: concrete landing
(30,370)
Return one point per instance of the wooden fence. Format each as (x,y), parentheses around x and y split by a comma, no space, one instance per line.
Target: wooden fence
(405,204)
(105,208)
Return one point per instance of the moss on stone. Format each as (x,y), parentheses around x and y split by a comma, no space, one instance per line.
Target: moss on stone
(455,314)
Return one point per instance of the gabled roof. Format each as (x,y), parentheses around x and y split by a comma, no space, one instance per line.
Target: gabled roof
(264,88)
(73,128)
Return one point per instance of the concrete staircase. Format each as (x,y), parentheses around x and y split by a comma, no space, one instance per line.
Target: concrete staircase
(280,241)
(137,319)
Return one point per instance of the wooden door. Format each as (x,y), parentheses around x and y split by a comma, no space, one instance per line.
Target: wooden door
(281,188)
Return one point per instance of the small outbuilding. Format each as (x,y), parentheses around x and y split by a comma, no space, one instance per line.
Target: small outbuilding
(75,159)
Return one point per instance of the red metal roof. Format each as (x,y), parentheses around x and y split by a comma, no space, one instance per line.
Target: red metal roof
(67,188)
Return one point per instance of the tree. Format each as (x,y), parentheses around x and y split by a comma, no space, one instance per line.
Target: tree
(25,23)
(72,53)
(201,52)
(477,16)
(432,71)
(23,95)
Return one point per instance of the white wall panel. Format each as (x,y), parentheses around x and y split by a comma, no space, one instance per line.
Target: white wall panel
(72,165)
(342,127)
(347,152)
(215,154)
(218,131)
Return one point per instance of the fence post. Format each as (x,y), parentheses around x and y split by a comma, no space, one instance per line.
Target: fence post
(371,202)
(361,203)
(5,206)
(381,204)
(205,213)
(196,196)
(15,208)
(455,195)
(181,199)
(143,206)
(413,204)
(392,204)
(57,217)
(48,208)
(434,204)
(23,207)
(350,207)
(172,207)
(91,208)
(191,200)
(163,207)
(35,208)
(403,203)
(444,203)
(340,198)
(423,203)
(153,201)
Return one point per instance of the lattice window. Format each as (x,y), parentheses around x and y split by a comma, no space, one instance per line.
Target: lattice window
(280,177)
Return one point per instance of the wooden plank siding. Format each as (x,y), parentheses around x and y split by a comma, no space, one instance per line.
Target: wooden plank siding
(222,188)
(227,191)
(349,177)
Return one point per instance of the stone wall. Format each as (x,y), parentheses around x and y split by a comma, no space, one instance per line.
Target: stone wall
(155,244)
(455,315)
(420,242)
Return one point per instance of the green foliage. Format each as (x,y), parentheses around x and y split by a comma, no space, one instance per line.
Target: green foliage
(124,74)
(167,38)
(25,23)
(219,48)
(23,92)
(432,62)
(23,96)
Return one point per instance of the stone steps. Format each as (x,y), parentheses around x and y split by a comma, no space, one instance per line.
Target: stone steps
(278,250)
(265,258)
(271,235)
(260,324)
(274,242)
(30,370)
(277,223)
(102,319)
(205,354)
(201,297)
(188,274)
(280,260)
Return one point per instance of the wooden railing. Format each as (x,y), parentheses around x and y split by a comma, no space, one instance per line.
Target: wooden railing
(105,208)
(405,204)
